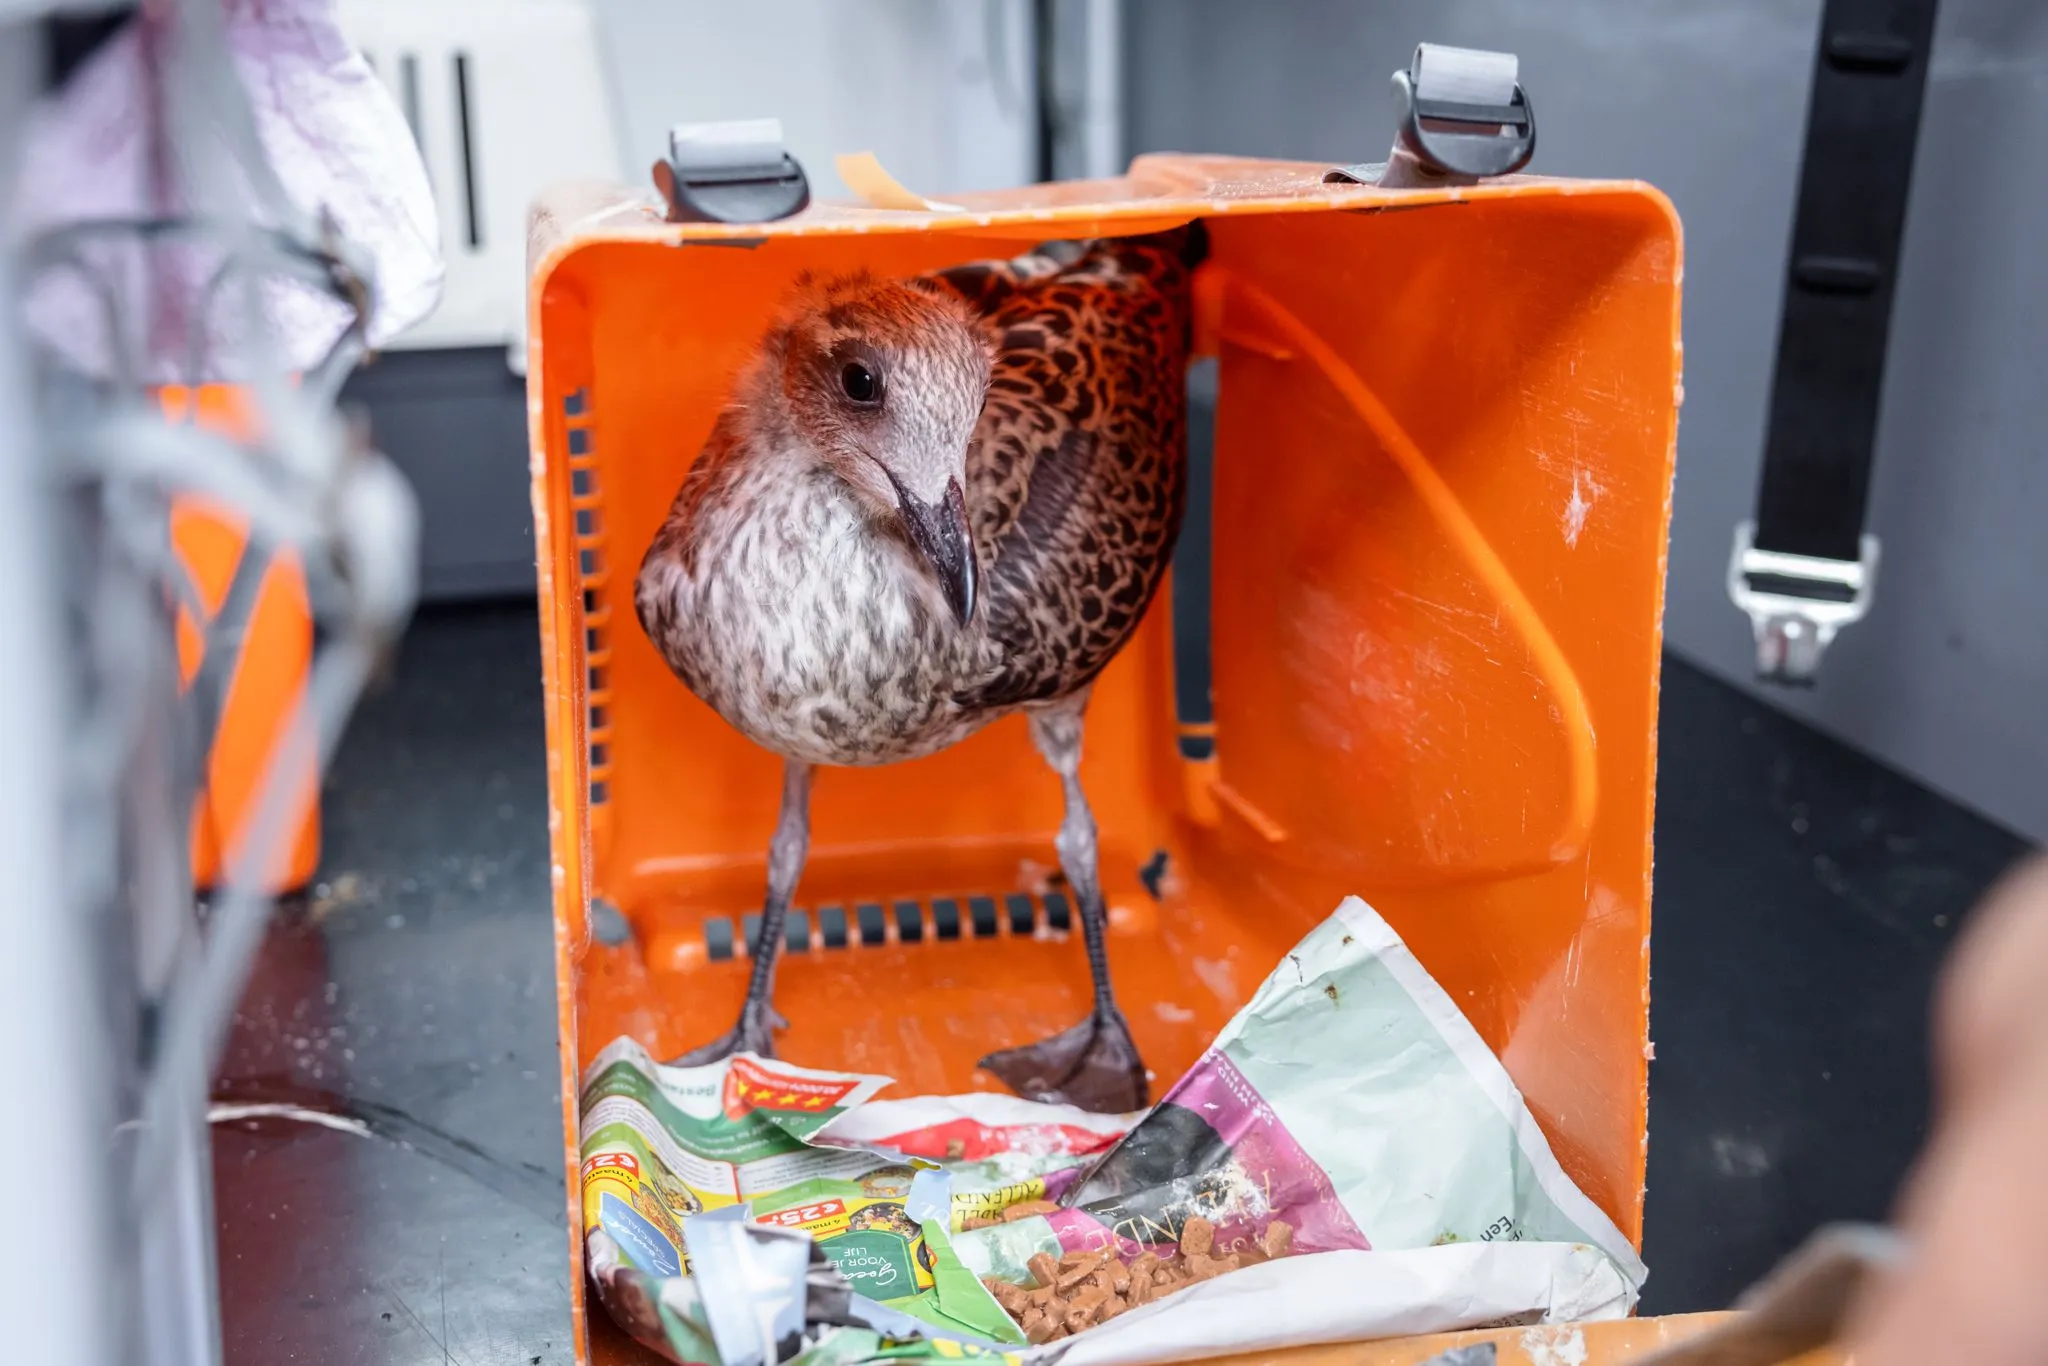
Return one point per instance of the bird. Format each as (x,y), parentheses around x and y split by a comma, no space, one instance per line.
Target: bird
(932,502)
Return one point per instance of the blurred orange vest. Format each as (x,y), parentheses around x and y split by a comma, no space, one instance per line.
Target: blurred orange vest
(254,699)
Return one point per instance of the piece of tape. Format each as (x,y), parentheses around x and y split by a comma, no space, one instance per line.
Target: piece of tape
(864,175)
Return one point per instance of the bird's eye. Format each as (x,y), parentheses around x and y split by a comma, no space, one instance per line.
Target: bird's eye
(860,384)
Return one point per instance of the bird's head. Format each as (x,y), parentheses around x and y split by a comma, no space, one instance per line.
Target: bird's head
(884,380)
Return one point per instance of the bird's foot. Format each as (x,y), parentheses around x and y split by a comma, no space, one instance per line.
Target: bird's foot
(1095,1066)
(755,1033)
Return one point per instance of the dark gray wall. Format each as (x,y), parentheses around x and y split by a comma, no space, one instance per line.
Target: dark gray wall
(454,421)
(1948,678)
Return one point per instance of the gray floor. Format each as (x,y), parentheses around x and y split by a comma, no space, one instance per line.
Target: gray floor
(416,991)
(1804,898)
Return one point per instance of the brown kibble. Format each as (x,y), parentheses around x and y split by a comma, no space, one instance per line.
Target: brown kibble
(1072,1276)
(975,1221)
(1028,1209)
(1089,1297)
(1277,1239)
(1207,1268)
(1081,1289)
(1013,1298)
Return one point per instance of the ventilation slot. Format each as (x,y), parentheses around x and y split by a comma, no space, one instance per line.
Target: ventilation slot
(466,127)
(597,614)
(409,101)
(901,920)
(1193,703)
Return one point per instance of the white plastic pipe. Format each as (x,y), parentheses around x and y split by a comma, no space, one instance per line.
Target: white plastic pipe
(54,1067)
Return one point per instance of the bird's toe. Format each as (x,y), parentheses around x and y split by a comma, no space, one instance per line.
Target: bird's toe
(1094,1066)
(755,1033)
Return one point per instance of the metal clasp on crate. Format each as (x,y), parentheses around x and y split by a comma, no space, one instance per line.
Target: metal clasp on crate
(1460,114)
(1797,603)
(732,172)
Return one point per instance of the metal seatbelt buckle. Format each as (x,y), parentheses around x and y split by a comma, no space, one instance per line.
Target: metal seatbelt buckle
(1797,603)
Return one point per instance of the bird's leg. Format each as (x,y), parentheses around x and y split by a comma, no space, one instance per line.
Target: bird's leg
(1094,1065)
(755,1032)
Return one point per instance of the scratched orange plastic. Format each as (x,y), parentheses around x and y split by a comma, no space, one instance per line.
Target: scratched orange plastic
(1444,444)
(1614,1343)
(270,674)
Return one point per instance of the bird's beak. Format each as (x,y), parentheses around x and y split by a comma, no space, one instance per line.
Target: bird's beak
(939,531)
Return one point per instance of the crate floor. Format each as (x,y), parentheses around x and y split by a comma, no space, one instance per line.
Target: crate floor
(919,988)
(1804,898)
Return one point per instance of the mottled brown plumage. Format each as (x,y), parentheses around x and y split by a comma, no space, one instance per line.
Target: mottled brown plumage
(932,503)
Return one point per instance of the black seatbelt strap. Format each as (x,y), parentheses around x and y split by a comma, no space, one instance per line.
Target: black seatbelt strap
(1804,568)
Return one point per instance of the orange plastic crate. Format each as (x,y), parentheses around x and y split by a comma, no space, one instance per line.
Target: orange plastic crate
(1443,474)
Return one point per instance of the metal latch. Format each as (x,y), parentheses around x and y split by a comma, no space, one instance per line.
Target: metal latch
(1460,115)
(733,172)
(1797,603)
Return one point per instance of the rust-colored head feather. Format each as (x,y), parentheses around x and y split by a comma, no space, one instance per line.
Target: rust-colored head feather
(882,379)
